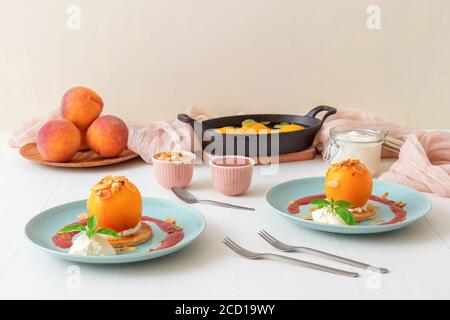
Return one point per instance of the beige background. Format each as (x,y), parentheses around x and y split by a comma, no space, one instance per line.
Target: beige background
(150,59)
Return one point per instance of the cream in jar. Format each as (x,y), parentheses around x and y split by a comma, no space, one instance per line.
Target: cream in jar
(356,143)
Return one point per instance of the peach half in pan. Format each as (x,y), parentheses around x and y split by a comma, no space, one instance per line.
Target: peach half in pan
(110,226)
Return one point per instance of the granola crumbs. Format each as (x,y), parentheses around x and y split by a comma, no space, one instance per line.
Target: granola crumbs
(171,156)
(109,185)
(171,220)
(400,204)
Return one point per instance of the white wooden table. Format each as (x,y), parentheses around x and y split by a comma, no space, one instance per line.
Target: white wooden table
(418,256)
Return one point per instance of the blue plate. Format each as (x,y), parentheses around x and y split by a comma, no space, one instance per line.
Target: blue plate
(42,227)
(417,205)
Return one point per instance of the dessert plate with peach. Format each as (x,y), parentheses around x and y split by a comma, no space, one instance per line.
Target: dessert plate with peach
(115,225)
(349,201)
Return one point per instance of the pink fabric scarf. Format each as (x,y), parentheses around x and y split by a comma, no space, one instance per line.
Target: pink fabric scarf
(424,160)
(423,164)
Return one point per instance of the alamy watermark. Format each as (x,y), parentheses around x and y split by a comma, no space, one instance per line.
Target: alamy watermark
(73,21)
(374,279)
(73,281)
(374,17)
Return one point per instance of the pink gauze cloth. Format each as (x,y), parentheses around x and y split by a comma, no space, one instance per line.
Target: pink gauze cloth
(359,119)
(424,160)
(423,164)
(158,136)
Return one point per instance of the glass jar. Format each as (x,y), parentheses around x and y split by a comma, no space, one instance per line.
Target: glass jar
(355,143)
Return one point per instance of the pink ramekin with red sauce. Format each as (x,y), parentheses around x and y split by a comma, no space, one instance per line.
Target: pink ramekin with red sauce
(232,175)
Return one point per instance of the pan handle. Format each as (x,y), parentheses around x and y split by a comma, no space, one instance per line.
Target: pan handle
(186,119)
(314,112)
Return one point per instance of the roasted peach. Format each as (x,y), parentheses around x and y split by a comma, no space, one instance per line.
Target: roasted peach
(256,128)
(83,145)
(58,140)
(291,127)
(108,136)
(116,202)
(81,106)
(350,181)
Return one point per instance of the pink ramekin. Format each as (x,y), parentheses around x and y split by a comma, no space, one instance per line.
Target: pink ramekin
(232,180)
(175,173)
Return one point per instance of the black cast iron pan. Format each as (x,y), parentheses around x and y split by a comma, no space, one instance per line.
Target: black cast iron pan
(253,145)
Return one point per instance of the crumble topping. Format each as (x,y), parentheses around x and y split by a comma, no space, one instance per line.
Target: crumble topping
(109,185)
(355,165)
(171,156)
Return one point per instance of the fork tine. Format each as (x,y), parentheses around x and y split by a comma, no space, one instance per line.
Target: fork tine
(229,242)
(241,250)
(270,236)
(231,246)
(272,240)
(234,245)
(263,235)
(266,234)
(232,242)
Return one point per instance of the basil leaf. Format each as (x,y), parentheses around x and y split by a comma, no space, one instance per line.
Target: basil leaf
(323,202)
(92,222)
(343,204)
(90,233)
(76,227)
(345,215)
(108,232)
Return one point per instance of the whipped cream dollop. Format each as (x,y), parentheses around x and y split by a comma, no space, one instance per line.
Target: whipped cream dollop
(94,246)
(327,216)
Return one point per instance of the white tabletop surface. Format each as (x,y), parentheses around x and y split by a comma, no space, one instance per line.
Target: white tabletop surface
(418,256)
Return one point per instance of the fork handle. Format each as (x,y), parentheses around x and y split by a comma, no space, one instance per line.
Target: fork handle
(226,205)
(313,265)
(344,260)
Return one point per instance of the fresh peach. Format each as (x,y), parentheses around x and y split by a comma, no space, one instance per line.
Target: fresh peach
(81,106)
(58,140)
(108,136)
(83,145)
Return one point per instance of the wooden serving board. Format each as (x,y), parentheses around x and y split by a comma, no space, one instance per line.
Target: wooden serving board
(83,159)
(308,154)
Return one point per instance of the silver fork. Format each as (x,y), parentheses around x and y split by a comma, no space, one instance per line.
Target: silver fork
(254,255)
(288,248)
